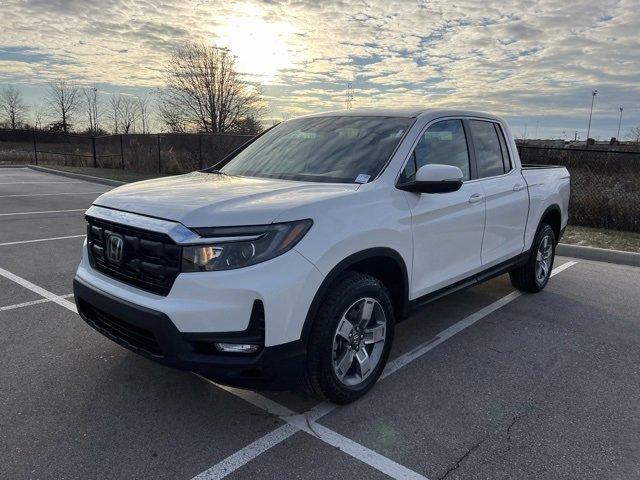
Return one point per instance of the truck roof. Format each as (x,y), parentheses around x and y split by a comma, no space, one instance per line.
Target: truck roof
(402,112)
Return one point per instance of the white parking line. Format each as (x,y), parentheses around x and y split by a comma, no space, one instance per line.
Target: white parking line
(245,455)
(50,194)
(31,183)
(41,240)
(43,211)
(304,423)
(32,302)
(307,422)
(63,302)
(446,334)
(251,451)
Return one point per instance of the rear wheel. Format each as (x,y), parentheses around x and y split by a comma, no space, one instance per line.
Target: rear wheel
(351,338)
(534,275)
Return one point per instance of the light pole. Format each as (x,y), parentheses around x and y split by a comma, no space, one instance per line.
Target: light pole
(593,97)
(619,123)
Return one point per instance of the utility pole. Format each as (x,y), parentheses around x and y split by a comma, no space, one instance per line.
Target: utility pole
(593,97)
(619,123)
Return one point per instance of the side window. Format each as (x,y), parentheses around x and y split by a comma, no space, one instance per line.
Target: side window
(442,143)
(506,160)
(487,147)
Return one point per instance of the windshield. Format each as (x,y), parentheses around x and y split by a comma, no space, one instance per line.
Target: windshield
(322,149)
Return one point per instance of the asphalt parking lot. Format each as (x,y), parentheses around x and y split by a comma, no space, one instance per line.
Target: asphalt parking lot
(483,384)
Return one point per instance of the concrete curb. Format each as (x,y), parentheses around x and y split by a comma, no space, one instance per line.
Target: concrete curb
(599,254)
(78,176)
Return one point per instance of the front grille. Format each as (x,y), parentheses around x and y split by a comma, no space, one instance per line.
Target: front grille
(150,260)
(119,330)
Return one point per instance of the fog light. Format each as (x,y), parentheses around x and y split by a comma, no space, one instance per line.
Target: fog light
(237,347)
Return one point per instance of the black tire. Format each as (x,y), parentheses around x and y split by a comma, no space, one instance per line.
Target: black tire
(321,378)
(524,278)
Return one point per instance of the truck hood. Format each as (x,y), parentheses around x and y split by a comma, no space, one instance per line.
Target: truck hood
(209,200)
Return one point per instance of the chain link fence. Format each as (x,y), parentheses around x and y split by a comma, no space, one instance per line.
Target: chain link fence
(170,153)
(605,184)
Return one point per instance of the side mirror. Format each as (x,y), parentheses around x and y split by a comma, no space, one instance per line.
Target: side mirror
(435,179)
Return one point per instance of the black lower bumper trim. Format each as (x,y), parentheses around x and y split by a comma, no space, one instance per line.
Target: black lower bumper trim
(153,335)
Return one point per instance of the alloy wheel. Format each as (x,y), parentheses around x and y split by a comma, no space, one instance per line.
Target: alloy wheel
(359,341)
(543,259)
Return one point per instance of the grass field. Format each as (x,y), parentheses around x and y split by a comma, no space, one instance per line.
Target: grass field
(601,238)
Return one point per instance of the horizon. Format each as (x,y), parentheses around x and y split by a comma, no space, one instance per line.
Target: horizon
(536,65)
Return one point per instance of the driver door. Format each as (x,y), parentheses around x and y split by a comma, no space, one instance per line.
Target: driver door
(447,228)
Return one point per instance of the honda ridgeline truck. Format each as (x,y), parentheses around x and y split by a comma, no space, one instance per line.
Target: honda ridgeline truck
(291,260)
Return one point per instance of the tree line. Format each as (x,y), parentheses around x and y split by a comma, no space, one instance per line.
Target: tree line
(202,92)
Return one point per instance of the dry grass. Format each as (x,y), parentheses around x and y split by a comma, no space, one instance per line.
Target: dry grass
(597,237)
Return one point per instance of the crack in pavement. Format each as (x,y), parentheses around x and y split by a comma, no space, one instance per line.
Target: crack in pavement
(514,421)
(463,457)
(530,408)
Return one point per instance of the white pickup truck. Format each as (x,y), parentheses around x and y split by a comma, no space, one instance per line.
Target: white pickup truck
(292,259)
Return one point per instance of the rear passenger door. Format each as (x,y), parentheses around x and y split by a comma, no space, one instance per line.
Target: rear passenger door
(506,196)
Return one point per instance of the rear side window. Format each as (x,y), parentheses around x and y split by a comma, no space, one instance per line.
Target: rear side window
(506,160)
(442,143)
(487,147)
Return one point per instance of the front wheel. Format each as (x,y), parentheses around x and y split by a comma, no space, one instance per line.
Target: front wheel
(350,339)
(534,275)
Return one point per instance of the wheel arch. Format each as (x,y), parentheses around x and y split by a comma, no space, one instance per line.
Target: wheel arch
(553,217)
(383,263)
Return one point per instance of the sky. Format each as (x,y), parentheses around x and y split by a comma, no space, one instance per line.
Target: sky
(535,63)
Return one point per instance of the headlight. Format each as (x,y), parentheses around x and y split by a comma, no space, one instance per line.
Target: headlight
(236,247)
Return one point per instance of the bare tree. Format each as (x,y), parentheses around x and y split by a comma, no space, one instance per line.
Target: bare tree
(115,105)
(64,101)
(128,113)
(93,108)
(634,134)
(143,113)
(38,116)
(171,114)
(247,126)
(204,89)
(12,106)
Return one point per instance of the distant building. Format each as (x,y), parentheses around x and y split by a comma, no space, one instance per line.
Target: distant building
(548,143)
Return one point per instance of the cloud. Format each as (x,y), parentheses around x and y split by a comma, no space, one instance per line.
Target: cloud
(525,60)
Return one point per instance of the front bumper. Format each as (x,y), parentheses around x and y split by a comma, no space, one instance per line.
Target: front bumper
(152,334)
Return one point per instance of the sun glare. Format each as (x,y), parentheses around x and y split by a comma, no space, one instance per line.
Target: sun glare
(261,47)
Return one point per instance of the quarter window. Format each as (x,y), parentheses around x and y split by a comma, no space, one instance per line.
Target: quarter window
(506,160)
(442,143)
(487,147)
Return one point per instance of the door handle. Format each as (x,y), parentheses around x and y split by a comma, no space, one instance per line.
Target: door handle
(475,198)
(517,187)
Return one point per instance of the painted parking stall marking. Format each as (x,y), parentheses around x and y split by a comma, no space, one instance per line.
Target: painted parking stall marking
(42,240)
(443,336)
(43,212)
(32,302)
(50,194)
(33,183)
(307,422)
(63,302)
